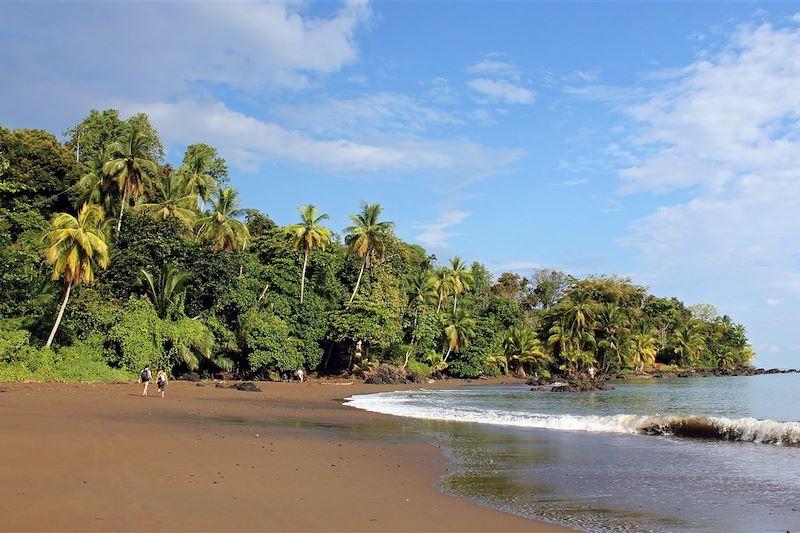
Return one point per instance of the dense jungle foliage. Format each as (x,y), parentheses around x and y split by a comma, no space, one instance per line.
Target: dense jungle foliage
(112,259)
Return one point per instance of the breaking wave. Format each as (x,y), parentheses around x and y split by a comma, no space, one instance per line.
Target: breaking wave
(702,427)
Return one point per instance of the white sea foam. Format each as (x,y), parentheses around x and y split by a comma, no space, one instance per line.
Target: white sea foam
(739,429)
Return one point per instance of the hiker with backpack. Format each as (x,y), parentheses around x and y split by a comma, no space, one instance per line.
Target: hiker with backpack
(161,381)
(145,378)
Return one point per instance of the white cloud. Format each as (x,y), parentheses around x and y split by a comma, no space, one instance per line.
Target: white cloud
(440,232)
(248,141)
(369,112)
(502,90)
(723,134)
(71,56)
(492,67)
(774,301)
(571,183)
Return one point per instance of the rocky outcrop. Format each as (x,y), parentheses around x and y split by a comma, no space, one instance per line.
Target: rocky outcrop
(569,384)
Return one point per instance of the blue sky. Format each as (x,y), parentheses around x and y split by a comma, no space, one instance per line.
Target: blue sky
(658,141)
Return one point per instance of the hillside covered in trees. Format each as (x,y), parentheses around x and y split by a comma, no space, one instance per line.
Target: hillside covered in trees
(112,259)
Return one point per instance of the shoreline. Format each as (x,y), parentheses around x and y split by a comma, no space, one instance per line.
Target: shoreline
(292,458)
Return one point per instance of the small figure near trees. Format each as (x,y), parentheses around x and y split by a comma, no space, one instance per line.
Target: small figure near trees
(161,381)
(145,378)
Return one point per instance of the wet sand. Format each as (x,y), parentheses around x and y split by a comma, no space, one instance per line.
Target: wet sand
(100,457)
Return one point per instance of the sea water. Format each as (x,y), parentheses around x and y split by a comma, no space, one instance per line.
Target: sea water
(692,454)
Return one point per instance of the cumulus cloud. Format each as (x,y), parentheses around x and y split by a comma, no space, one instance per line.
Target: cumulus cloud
(69,53)
(726,131)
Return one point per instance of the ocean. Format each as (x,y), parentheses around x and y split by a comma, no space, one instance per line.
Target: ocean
(718,454)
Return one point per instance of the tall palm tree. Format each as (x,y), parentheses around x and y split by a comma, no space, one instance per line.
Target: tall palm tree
(164,290)
(461,278)
(366,237)
(308,235)
(580,311)
(131,167)
(96,186)
(612,326)
(459,331)
(220,228)
(199,181)
(444,284)
(77,247)
(173,199)
(422,291)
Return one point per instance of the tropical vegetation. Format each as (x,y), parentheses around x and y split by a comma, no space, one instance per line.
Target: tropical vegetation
(112,259)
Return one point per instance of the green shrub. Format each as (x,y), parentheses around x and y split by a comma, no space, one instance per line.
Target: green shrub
(417,371)
(267,340)
(137,339)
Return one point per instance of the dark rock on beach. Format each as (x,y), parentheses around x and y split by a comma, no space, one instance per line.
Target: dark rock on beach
(247,386)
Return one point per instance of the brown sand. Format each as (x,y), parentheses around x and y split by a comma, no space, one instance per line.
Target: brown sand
(292,458)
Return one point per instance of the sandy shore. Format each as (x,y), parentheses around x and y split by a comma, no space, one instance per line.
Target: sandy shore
(291,458)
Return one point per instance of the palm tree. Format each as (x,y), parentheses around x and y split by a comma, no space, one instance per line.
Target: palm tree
(219,228)
(173,198)
(198,180)
(131,167)
(422,291)
(444,283)
(572,346)
(643,350)
(459,331)
(96,185)
(308,235)
(522,346)
(612,327)
(164,291)
(688,344)
(500,361)
(580,311)
(461,278)
(77,248)
(366,237)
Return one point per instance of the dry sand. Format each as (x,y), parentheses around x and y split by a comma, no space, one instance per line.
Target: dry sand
(99,457)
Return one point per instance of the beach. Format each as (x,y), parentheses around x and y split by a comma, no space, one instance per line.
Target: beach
(100,457)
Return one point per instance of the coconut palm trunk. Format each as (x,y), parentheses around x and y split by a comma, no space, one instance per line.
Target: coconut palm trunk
(60,315)
(303,276)
(446,355)
(413,339)
(358,281)
(121,210)
(455,301)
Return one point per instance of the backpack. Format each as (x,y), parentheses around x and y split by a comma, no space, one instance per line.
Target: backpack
(143,375)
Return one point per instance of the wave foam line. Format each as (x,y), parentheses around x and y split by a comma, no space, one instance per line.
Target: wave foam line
(716,428)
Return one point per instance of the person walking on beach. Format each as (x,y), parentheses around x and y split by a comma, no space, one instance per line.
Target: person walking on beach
(145,378)
(161,381)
